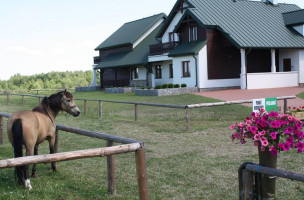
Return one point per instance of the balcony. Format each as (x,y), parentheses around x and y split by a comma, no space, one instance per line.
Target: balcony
(159,49)
(96,60)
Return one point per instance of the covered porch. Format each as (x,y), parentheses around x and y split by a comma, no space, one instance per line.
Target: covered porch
(272,69)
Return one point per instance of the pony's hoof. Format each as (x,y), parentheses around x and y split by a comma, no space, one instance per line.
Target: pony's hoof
(27,184)
(33,175)
(54,170)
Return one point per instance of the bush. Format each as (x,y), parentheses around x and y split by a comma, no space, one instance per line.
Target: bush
(148,87)
(170,85)
(176,86)
(164,86)
(158,87)
(183,85)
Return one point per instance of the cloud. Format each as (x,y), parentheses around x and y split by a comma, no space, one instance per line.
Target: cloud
(24,50)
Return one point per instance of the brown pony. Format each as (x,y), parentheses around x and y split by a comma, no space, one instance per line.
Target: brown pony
(30,128)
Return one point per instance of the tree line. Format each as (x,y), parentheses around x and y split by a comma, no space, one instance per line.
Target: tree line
(51,80)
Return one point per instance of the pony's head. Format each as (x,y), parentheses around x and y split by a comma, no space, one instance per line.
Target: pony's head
(61,101)
(68,104)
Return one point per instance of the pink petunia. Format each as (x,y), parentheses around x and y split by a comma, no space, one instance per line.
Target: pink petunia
(257,137)
(253,129)
(273,114)
(241,125)
(286,147)
(262,133)
(265,143)
(290,140)
(300,146)
(274,135)
(232,126)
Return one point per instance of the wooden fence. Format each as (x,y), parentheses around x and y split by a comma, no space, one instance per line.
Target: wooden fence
(128,145)
(249,187)
(36,90)
(136,104)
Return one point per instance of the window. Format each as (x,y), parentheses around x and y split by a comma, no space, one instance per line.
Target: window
(135,72)
(171,71)
(158,71)
(171,37)
(192,33)
(186,69)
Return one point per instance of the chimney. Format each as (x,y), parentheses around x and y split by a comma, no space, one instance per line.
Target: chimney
(273,2)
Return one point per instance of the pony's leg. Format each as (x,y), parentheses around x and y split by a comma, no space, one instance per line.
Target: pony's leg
(34,165)
(27,182)
(52,150)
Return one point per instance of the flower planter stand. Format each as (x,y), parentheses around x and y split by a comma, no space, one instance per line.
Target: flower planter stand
(267,183)
(298,115)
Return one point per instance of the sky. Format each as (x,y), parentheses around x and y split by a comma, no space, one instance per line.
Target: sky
(40,36)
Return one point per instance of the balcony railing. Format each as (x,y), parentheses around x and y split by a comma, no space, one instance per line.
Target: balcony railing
(159,49)
(96,59)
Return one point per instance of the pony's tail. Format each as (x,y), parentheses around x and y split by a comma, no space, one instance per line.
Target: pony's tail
(17,144)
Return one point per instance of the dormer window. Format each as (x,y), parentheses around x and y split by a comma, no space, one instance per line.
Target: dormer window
(192,33)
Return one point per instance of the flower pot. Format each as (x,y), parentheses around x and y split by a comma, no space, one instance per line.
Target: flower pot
(298,115)
(267,183)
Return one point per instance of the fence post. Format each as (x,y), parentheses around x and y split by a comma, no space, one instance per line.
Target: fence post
(1,131)
(285,106)
(187,118)
(39,99)
(85,108)
(8,99)
(111,171)
(100,109)
(22,99)
(56,145)
(142,177)
(248,185)
(135,112)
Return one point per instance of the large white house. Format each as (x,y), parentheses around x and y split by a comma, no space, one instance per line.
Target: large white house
(216,44)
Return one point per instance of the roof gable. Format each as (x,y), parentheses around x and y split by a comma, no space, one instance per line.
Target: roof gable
(128,33)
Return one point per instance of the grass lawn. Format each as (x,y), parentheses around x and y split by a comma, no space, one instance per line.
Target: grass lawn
(201,163)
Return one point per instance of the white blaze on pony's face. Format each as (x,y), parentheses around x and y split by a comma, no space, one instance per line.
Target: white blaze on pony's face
(69,105)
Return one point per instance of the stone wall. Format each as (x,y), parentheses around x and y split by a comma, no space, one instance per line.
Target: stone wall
(165,92)
(138,83)
(87,89)
(119,90)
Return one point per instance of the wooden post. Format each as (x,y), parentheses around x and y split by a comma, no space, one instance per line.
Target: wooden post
(22,100)
(85,108)
(187,119)
(39,100)
(248,185)
(285,106)
(100,109)
(135,113)
(56,145)
(37,91)
(142,177)
(8,99)
(111,171)
(1,131)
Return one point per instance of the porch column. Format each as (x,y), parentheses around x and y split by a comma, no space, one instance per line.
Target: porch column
(243,69)
(273,65)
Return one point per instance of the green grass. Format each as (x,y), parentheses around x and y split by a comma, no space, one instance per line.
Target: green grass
(201,163)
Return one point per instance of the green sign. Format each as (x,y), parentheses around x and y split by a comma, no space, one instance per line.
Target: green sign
(271,104)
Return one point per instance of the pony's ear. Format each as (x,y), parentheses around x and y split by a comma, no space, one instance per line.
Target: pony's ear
(64,91)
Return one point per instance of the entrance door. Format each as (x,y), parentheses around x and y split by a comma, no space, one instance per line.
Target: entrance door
(287,65)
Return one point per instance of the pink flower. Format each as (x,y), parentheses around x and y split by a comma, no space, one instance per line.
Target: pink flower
(248,122)
(232,126)
(274,152)
(290,140)
(265,143)
(257,137)
(286,147)
(262,148)
(262,133)
(273,114)
(274,135)
(253,129)
(241,125)
(288,130)
(300,146)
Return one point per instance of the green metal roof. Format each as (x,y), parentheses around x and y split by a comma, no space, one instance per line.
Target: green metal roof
(248,24)
(294,18)
(139,55)
(128,33)
(187,48)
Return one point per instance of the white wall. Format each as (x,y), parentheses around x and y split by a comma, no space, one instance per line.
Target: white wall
(165,73)
(177,71)
(293,54)
(299,29)
(301,66)
(203,81)
(272,80)
(142,73)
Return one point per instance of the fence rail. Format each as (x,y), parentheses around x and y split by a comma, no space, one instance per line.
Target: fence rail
(129,145)
(136,104)
(248,186)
